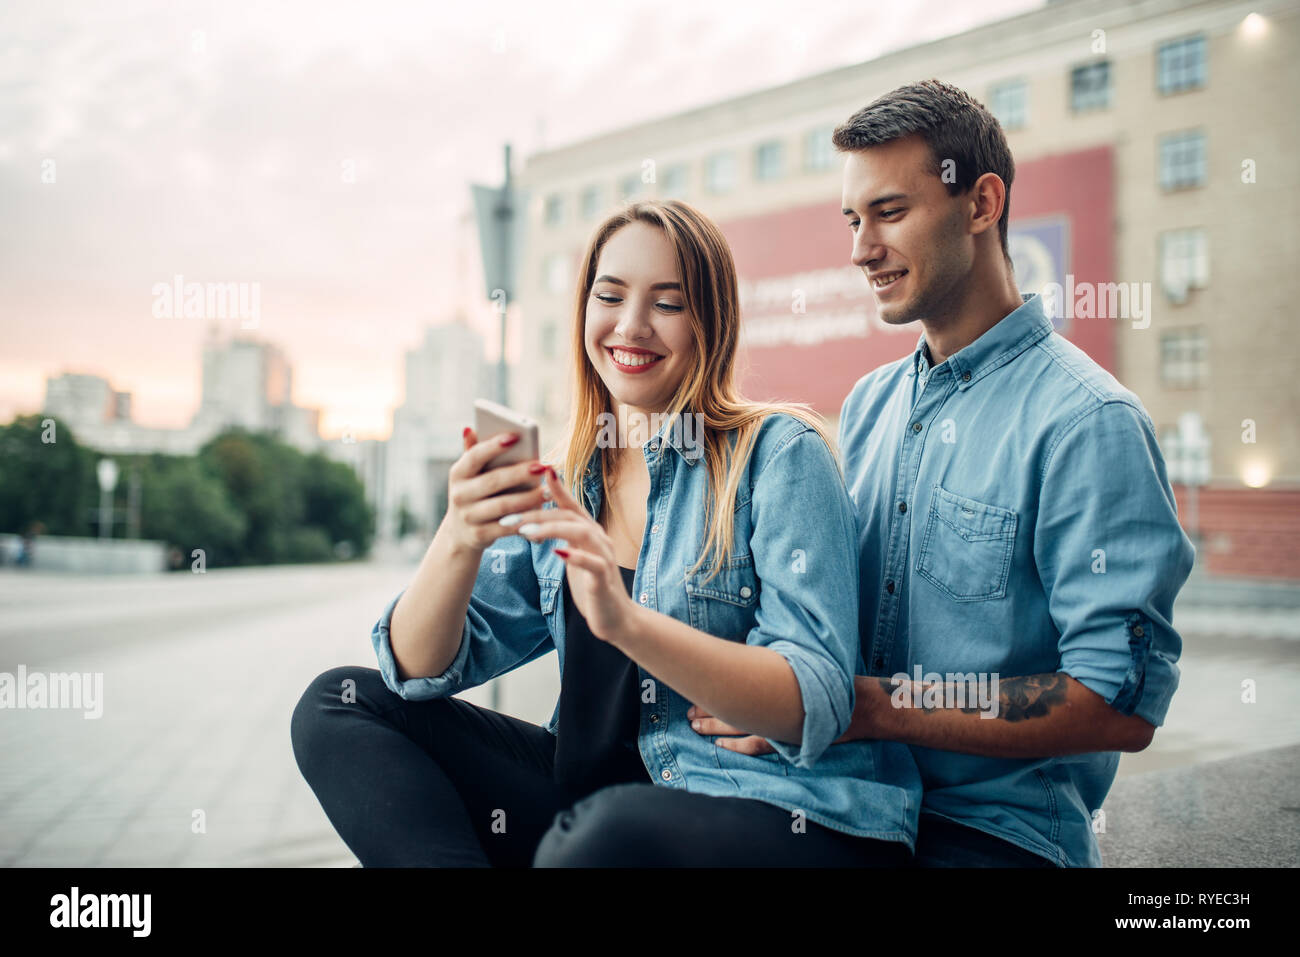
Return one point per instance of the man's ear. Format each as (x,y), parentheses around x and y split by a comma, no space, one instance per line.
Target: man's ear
(988,197)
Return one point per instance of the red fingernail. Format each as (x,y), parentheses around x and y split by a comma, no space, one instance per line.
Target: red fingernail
(536,469)
(510,439)
(465,434)
(552,471)
(562,553)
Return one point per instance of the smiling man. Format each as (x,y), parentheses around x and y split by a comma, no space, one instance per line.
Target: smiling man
(1017,527)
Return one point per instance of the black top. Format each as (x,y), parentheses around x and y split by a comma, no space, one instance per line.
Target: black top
(600,709)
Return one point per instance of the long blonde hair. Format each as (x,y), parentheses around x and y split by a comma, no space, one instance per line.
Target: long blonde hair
(708,278)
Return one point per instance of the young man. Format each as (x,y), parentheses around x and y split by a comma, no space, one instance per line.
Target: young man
(1017,525)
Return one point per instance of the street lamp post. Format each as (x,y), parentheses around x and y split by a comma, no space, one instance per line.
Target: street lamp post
(500,234)
(106,472)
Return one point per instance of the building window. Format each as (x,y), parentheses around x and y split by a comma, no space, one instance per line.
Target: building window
(769,160)
(1182,159)
(720,172)
(1009,102)
(1184,262)
(818,152)
(554,214)
(555,272)
(1090,87)
(1184,359)
(674,180)
(629,186)
(1181,64)
(591,202)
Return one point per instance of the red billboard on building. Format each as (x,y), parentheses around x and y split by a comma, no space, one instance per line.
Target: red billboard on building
(810,326)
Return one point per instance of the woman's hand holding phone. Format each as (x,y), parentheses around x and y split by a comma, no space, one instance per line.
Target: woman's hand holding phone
(474,502)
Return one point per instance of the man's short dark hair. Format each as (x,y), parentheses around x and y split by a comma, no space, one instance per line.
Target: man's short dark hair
(953,123)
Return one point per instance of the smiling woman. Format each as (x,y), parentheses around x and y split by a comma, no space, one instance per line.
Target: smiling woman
(714,565)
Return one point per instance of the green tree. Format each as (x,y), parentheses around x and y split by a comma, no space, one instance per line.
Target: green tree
(299,508)
(245,498)
(265,479)
(184,506)
(336,503)
(46,477)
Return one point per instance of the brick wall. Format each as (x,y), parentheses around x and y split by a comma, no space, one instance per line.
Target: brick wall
(1245,532)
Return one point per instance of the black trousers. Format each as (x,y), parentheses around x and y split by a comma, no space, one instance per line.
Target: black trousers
(944,843)
(446,783)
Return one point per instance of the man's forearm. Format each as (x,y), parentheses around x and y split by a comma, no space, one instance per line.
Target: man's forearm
(1045,715)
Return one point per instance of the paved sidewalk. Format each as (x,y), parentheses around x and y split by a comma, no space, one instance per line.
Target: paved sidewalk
(200,678)
(1238,812)
(201,675)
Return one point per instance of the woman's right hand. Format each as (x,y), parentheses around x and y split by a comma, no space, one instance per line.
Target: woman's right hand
(473,515)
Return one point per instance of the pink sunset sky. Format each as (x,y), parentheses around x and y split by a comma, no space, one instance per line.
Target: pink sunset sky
(207,140)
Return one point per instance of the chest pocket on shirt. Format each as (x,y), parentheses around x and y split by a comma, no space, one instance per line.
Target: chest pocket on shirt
(966,549)
(724,606)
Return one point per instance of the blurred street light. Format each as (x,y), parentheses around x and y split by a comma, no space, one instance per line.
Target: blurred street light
(106,471)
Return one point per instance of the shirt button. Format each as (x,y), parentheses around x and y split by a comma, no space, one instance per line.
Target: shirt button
(889,586)
(645,597)
(916,426)
(745,592)
(654,719)
(965,377)
(902,506)
(666,775)
(653,529)
(1138,631)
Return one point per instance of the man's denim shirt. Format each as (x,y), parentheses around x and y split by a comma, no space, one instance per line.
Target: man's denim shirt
(1015,518)
(790,585)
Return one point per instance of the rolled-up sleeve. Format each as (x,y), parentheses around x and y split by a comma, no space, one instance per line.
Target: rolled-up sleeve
(1112,557)
(804,543)
(504,627)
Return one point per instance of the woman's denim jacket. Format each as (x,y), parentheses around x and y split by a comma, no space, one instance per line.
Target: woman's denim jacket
(790,585)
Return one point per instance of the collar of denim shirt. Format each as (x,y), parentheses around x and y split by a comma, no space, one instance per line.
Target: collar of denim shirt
(1010,336)
(683,433)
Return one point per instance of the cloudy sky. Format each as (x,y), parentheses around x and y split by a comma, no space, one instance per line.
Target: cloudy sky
(141,140)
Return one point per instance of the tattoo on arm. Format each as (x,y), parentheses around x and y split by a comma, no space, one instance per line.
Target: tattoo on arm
(1031,696)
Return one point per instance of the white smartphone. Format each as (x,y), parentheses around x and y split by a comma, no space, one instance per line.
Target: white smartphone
(491,419)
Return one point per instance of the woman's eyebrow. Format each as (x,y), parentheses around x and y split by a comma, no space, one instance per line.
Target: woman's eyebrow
(658,285)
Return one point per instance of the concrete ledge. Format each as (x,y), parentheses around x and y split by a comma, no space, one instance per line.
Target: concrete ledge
(88,556)
(1204,591)
(1238,812)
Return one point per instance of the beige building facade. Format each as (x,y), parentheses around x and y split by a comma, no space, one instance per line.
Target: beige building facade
(1189,107)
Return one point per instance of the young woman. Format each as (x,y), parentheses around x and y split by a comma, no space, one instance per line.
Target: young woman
(692,547)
